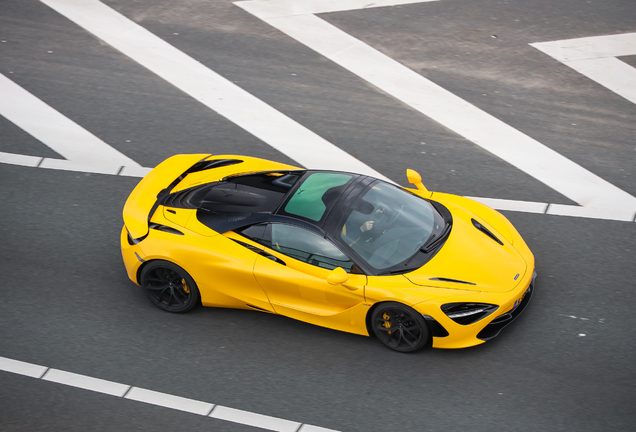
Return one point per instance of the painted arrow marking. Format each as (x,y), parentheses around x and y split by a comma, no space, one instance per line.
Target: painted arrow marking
(297,20)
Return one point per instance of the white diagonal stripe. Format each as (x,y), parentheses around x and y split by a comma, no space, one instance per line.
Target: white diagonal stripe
(253,419)
(156,398)
(208,87)
(278,8)
(589,47)
(80,147)
(169,401)
(488,132)
(21,368)
(595,57)
(85,382)
(611,73)
(310,428)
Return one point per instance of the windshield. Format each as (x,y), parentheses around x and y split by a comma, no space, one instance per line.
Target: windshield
(388,225)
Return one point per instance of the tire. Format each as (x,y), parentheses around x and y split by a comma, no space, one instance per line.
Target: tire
(169,286)
(400,327)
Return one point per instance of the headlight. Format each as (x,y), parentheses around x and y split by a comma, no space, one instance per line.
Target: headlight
(468,313)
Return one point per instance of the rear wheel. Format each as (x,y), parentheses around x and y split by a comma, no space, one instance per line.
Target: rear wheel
(169,286)
(400,327)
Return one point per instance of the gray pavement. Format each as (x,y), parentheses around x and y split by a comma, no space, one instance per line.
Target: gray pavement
(68,304)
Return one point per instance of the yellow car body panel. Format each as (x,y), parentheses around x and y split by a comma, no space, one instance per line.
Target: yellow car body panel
(462,336)
(301,291)
(468,255)
(470,267)
(144,196)
(203,256)
(248,165)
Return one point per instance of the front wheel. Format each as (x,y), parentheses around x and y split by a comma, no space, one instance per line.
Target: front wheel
(400,327)
(169,286)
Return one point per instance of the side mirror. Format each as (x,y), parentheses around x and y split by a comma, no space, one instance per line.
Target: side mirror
(415,179)
(337,276)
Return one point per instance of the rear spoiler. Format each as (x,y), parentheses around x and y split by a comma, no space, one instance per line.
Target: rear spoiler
(160,181)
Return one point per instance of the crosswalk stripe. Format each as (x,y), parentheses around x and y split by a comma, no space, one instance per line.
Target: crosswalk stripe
(208,87)
(437,103)
(219,94)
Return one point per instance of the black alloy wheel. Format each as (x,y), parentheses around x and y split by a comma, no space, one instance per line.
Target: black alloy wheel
(169,286)
(400,327)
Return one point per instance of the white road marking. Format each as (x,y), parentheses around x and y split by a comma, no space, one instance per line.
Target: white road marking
(277,8)
(86,382)
(511,205)
(156,398)
(83,151)
(558,209)
(591,213)
(488,132)
(310,428)
(253,419)
(18,159)
(208,87)
(169,401)
(595,57)
(22,368)
(123,33)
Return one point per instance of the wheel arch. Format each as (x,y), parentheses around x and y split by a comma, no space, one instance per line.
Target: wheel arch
(145,264)
(177,283)
(380,303)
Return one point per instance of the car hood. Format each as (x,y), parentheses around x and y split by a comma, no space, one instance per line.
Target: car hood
(471,259)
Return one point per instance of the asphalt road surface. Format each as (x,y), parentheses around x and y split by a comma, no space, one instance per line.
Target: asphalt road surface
(568,363)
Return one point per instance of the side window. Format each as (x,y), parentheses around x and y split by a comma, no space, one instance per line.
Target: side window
(254,232)
(306,246)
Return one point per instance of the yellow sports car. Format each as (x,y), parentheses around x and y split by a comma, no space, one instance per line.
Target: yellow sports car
(335,249)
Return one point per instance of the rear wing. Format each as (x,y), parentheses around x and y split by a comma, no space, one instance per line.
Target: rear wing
(141,202)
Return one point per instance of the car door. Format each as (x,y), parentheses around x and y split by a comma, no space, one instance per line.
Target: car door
(296,281)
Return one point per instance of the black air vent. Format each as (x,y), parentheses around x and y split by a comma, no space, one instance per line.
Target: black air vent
(485,230)
(190,198)
(452,280)
(164,228)
(209,164)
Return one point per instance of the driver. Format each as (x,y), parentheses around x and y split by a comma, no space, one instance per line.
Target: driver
(354,232)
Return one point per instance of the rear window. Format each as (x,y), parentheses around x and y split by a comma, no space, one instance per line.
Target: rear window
(315,193)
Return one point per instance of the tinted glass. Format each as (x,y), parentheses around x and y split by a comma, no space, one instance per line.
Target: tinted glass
(319,189)
(307,246)
(387,225)
(253,193)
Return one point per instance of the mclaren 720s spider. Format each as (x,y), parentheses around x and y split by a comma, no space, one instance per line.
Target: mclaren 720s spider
(336,249)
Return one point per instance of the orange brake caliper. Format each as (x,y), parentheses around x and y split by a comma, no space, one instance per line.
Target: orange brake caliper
(185,286)
(387,321)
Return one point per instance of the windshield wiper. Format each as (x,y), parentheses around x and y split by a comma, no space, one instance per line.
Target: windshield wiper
(392,272)
(436,240)
(427,247)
